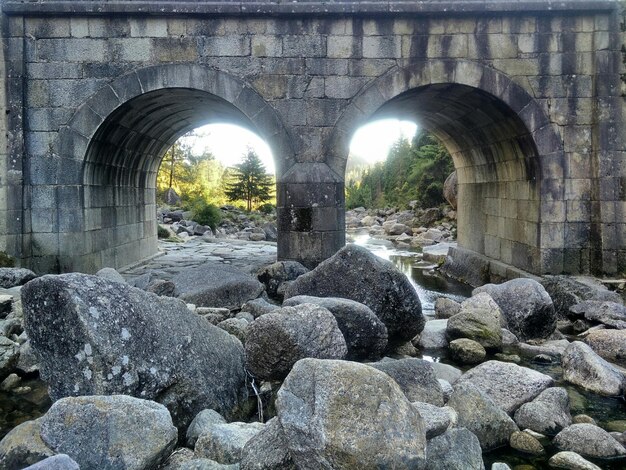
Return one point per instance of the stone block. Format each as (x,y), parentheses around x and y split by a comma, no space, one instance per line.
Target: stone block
(292,111)
(343,87)
(228,46)
(47,28)
(266,46)
(175,50)
(449,46)
(148,27)
(76,50)
(304,46)
(43,197)
(552,235)
(53,70)
(72,93)
(39,143)
(326,67)
(103,27)
(381,47)
(344,47)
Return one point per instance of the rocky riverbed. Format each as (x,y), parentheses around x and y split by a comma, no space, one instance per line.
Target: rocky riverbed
(202,358)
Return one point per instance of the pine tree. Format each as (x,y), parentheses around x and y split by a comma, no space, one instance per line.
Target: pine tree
(251,183)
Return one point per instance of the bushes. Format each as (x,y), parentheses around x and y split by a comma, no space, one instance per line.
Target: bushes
(162,232)
(267,208)
(207,214)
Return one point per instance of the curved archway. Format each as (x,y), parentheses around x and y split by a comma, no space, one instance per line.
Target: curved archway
(115,142)
(507,154)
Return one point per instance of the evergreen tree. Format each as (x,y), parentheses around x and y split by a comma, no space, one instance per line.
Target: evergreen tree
(250,181)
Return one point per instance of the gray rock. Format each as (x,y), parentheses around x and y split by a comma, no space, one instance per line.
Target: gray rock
(98,337)
(211,286)
(571,461)
(447,389)
(111,274)
(467,351)
(481,415)
(202,422)
(23,446)
(223,442)
(588,440)
(445,308)
(433,336)
(9,356)
(357,274)
(415,377)
(56,462)
(526,443)
(247,316)
(258,307)
(339,414)
(236,327)
(567,291)
(108,432)
(446,372)
(162,287)
(500,466)
(276,341)
(609,345)
(526,307)
(611,314)
(275,274)
(177,459)
(365,334)
(6,305)
(206,464)
(509,385)
(583,367)
(450,189)
(508,338)
(456,449)
(11,277)
(436,419)
(546,414)
(552,348)
(267,450)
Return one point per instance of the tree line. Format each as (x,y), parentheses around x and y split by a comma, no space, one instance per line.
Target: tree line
(413,171)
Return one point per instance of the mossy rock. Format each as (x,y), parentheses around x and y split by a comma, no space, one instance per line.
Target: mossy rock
(6,261)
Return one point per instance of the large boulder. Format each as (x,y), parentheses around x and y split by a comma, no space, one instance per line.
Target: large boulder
(611,314)
(365,334)
(23,446)
(450,189)
(583,367)
(201,423)
(571,461)
(609,344)
(273,275)
(223,442)
(415,377)
(355,273)
(267,450)
(9,356)
(56,462)
(509,385)
(467,351)
(277,340)
(433,336)
(338,414)
(456,449)
(480,414)
(546,414)
(566,291)
(210,285)
(479,320)
(437,420)
(526,306)
(12,277)
(96,337)
(588,440)
(110,432)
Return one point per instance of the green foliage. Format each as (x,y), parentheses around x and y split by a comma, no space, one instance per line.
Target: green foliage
(267,208)
(249,182)
(413,171)
(162,232)
(206,214)
(6,261)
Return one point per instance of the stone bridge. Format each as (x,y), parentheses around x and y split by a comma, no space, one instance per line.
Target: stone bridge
(526,95)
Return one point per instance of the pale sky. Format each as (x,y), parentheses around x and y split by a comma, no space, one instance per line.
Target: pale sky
(228,142)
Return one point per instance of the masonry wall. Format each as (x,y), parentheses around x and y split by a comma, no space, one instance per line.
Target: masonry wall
(312,71)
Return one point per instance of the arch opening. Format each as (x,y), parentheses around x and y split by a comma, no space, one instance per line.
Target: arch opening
(122,162)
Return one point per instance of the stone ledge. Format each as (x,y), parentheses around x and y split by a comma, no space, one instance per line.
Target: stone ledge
(288,7)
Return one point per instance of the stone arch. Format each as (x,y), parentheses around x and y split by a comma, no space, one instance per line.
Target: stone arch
(508,155)
(112,148)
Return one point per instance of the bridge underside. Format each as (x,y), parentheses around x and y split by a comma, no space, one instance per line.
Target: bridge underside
(527,100)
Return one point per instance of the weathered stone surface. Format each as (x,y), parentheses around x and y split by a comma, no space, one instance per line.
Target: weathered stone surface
(481,415)
(276,341)
(338,414)
(588,440)
(91,335)
(433,336)
(546,414)
(612,314)
(56,462)
(526,307)
(467,351)
(111,275)
(110,432)
(450,189)
(275,274)
(567,291)
(456,449)
(23,446)
(415,377)
(223,442)
(162,287)
(526,443)
(9,356)
(236,327)
(571,461)
(202,421)
(583,367)
(437,419)
(609,344)
(445,308)
(267,450)
(357,274)
(11,277)
(509,385)
(210,286)
(258,307)
(479,320)
(446,372)
(365,334)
